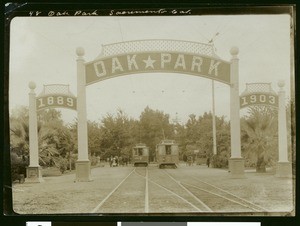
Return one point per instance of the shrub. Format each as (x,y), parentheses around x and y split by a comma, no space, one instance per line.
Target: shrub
(219,161)
(18,166)
(62,164)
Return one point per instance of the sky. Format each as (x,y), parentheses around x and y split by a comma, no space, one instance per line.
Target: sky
(43,50)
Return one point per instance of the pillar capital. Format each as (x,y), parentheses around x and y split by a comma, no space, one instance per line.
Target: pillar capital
(80,53)
(281,84)
(234,51)
(31,86)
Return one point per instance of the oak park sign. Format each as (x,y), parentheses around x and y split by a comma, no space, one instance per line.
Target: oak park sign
(147,62)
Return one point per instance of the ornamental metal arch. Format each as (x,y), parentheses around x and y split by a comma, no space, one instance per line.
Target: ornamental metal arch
(151,56)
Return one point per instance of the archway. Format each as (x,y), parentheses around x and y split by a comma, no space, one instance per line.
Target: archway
(147,56)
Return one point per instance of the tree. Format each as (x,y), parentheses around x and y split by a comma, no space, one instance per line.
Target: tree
(220,160)
(49,115)
(117,134)
(19,131)
(55,142)
(259,132)
(154,126)
(54,139)
(199,137)
(199,132)
(94,138)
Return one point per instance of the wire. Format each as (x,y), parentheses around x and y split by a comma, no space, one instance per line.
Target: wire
(120,29)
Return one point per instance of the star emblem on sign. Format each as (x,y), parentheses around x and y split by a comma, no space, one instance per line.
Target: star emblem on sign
(149,62)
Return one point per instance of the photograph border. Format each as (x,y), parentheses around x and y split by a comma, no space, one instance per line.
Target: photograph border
(24,9)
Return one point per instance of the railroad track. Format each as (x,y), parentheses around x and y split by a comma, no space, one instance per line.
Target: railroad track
(194,195)
(127,196)
(194,202)
(213,194)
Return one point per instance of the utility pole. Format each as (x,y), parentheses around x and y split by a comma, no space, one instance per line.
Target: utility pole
(214,119)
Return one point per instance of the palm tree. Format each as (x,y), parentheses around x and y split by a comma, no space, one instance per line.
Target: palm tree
(53,138)
(19,136)
(258,137)
(19,140)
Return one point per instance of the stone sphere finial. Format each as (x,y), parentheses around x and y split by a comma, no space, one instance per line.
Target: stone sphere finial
(80,51)
(281,83)
(234,50)
(31,85)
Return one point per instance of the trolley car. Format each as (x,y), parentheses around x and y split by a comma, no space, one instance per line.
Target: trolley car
(140,155)
(167,154)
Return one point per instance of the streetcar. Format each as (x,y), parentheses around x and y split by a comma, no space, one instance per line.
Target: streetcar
(140,155)
(167,154)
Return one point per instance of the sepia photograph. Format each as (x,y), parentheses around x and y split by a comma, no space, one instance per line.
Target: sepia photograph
(148,113)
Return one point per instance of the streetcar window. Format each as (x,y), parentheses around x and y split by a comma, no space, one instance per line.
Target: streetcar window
(140,151)
(168,149)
